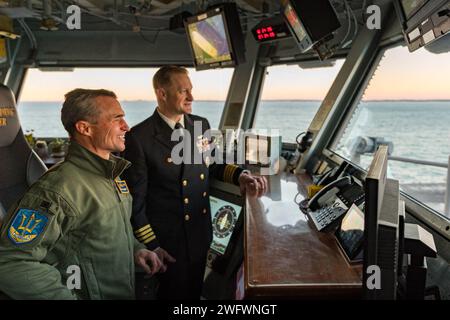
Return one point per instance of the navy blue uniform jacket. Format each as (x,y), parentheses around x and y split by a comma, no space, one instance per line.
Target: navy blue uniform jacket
(171,201)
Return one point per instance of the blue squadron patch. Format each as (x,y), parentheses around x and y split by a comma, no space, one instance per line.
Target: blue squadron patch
(122,186)
(26,226)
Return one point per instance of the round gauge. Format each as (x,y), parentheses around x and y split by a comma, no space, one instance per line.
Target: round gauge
(224,221)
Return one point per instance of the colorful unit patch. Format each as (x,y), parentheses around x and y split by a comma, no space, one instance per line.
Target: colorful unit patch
(122,185)
(26,226)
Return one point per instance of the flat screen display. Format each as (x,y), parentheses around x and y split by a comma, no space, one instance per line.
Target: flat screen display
(411,6)
(350,235)
(224,216)
(294,21)
(209,40)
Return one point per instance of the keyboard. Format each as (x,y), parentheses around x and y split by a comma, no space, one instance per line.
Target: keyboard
(325,216)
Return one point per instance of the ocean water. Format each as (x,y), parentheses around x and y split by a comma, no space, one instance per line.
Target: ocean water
(44,117)
(418,130)
(290,117)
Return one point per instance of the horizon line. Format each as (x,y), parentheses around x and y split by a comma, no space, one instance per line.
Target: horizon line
(283,100)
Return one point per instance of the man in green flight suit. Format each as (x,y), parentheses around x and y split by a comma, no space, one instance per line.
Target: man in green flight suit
(70,235)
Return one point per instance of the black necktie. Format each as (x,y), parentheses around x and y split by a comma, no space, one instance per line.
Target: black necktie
(179,126)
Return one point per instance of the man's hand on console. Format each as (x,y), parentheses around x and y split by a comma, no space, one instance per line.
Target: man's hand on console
(253,185)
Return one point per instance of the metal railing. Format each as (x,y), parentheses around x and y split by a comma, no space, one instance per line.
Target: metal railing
(366,145)
(423,162)
(432,164)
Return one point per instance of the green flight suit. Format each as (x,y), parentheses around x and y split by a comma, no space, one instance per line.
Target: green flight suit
(76,214)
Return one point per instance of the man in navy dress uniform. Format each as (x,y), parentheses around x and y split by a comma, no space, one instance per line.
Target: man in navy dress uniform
(171,211)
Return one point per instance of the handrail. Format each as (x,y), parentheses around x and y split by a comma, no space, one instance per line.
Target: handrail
(416,161)
(433,164)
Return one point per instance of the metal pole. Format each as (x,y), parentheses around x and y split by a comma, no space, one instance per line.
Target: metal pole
(422,162)
(447,191)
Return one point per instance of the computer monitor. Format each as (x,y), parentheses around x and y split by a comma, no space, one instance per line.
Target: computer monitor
(388,251)
(309,21)
(411,6)
(422,21)
(381,229)
(227,248)
(224,218)
(350,234)
(215,38)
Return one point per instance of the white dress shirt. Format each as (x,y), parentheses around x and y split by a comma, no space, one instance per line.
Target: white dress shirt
(170,122)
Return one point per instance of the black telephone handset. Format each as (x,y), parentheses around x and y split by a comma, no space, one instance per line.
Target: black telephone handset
(333,174)
(332,202)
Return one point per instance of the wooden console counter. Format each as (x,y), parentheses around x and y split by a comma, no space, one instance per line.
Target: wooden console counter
(284,256)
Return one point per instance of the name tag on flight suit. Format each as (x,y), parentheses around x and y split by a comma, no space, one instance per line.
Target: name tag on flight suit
(122,186)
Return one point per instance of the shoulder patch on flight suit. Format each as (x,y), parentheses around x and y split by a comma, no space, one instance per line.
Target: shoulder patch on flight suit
(122,186)
(26,226)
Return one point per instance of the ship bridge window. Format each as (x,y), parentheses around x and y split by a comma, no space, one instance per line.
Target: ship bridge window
(407,106)
(39,105)
(291,96)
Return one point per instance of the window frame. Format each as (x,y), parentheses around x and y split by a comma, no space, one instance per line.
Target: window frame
(418,210)
(21,80)
(289,146)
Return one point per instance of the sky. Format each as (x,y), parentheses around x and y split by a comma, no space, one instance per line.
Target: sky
(416,75)
(401,75)
(128,84)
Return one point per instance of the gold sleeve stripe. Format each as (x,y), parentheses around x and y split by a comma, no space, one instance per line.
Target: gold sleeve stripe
(142,235)
(142,229)
(146,237)
(230,169)
(149,239)
(143,232)
(226,174)
(232,173)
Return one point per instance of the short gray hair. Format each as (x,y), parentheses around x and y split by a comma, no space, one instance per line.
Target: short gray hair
(80,105)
